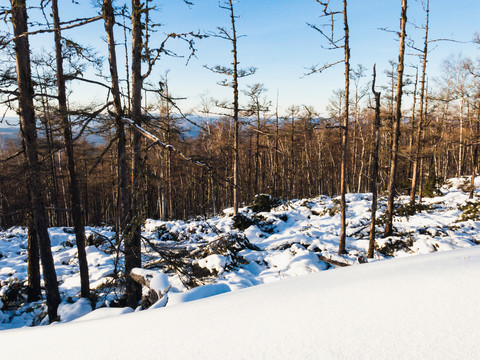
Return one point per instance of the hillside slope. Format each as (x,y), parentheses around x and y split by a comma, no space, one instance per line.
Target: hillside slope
(210,256)
(416,308)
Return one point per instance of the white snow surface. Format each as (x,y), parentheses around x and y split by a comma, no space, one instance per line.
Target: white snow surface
(425,307)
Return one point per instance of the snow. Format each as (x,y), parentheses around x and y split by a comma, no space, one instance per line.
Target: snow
(416,308)
(213,262)
(104,313)
(197,293)
(423,306)
(159,282)
(69,312)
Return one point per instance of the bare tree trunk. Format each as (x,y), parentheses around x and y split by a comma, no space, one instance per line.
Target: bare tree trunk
(127,69)
(308,179)
(34,291)
(123,212)
(168,154)
(422,113)
(29,133)
(133,257)
(55,215)
(371,244)
(235,112)
(475,154)
(396,125)
(171,207)
(420,182)
(257,154)
(474,163)
(62,187)
(362,163)
(412,125)
(275,164)
(292,157)
(67,136)
(460,147)
(343,205)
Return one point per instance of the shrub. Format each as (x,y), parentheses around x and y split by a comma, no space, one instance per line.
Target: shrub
(471,211)
(390,247)
(264,203)
(335,209)
(13,293)
(406,210)
(430,189)
(242,222)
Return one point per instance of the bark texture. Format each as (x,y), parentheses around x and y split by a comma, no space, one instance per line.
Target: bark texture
(133,257)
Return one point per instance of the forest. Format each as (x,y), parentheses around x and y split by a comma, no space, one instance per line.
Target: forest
(124,160)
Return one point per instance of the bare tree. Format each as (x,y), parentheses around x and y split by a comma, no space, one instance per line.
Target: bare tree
(335,44)
(374,186)
(133,256)
(275,157)
(235,73)
(396,124)
(418,139)
(360,92)
(34,291)
(29,133)
(258,104)
(77,215)
(123,210)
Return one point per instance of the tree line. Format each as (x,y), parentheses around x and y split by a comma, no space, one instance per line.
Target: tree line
(125,160)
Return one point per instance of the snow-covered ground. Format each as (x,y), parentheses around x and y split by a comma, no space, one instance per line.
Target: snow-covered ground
(425,307)
(310,313)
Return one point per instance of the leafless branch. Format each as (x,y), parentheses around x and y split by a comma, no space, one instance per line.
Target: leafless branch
(42,31)
(13,156)
(315,69)
(100,157)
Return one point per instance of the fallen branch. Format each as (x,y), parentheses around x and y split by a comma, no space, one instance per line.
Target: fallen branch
(332,262)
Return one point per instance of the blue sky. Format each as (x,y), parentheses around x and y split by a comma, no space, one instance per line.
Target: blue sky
(280,44)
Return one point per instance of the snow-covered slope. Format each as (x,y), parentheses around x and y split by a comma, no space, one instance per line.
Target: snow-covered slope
(424,307)
(225,253)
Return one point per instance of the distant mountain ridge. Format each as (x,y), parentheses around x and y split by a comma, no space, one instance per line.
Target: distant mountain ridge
(8,134)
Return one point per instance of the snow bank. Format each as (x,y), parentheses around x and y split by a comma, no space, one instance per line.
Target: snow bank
(69,312)
(104,313)
(200,292)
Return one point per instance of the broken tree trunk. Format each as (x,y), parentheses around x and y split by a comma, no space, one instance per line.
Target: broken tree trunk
(153,295)
(374,186)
